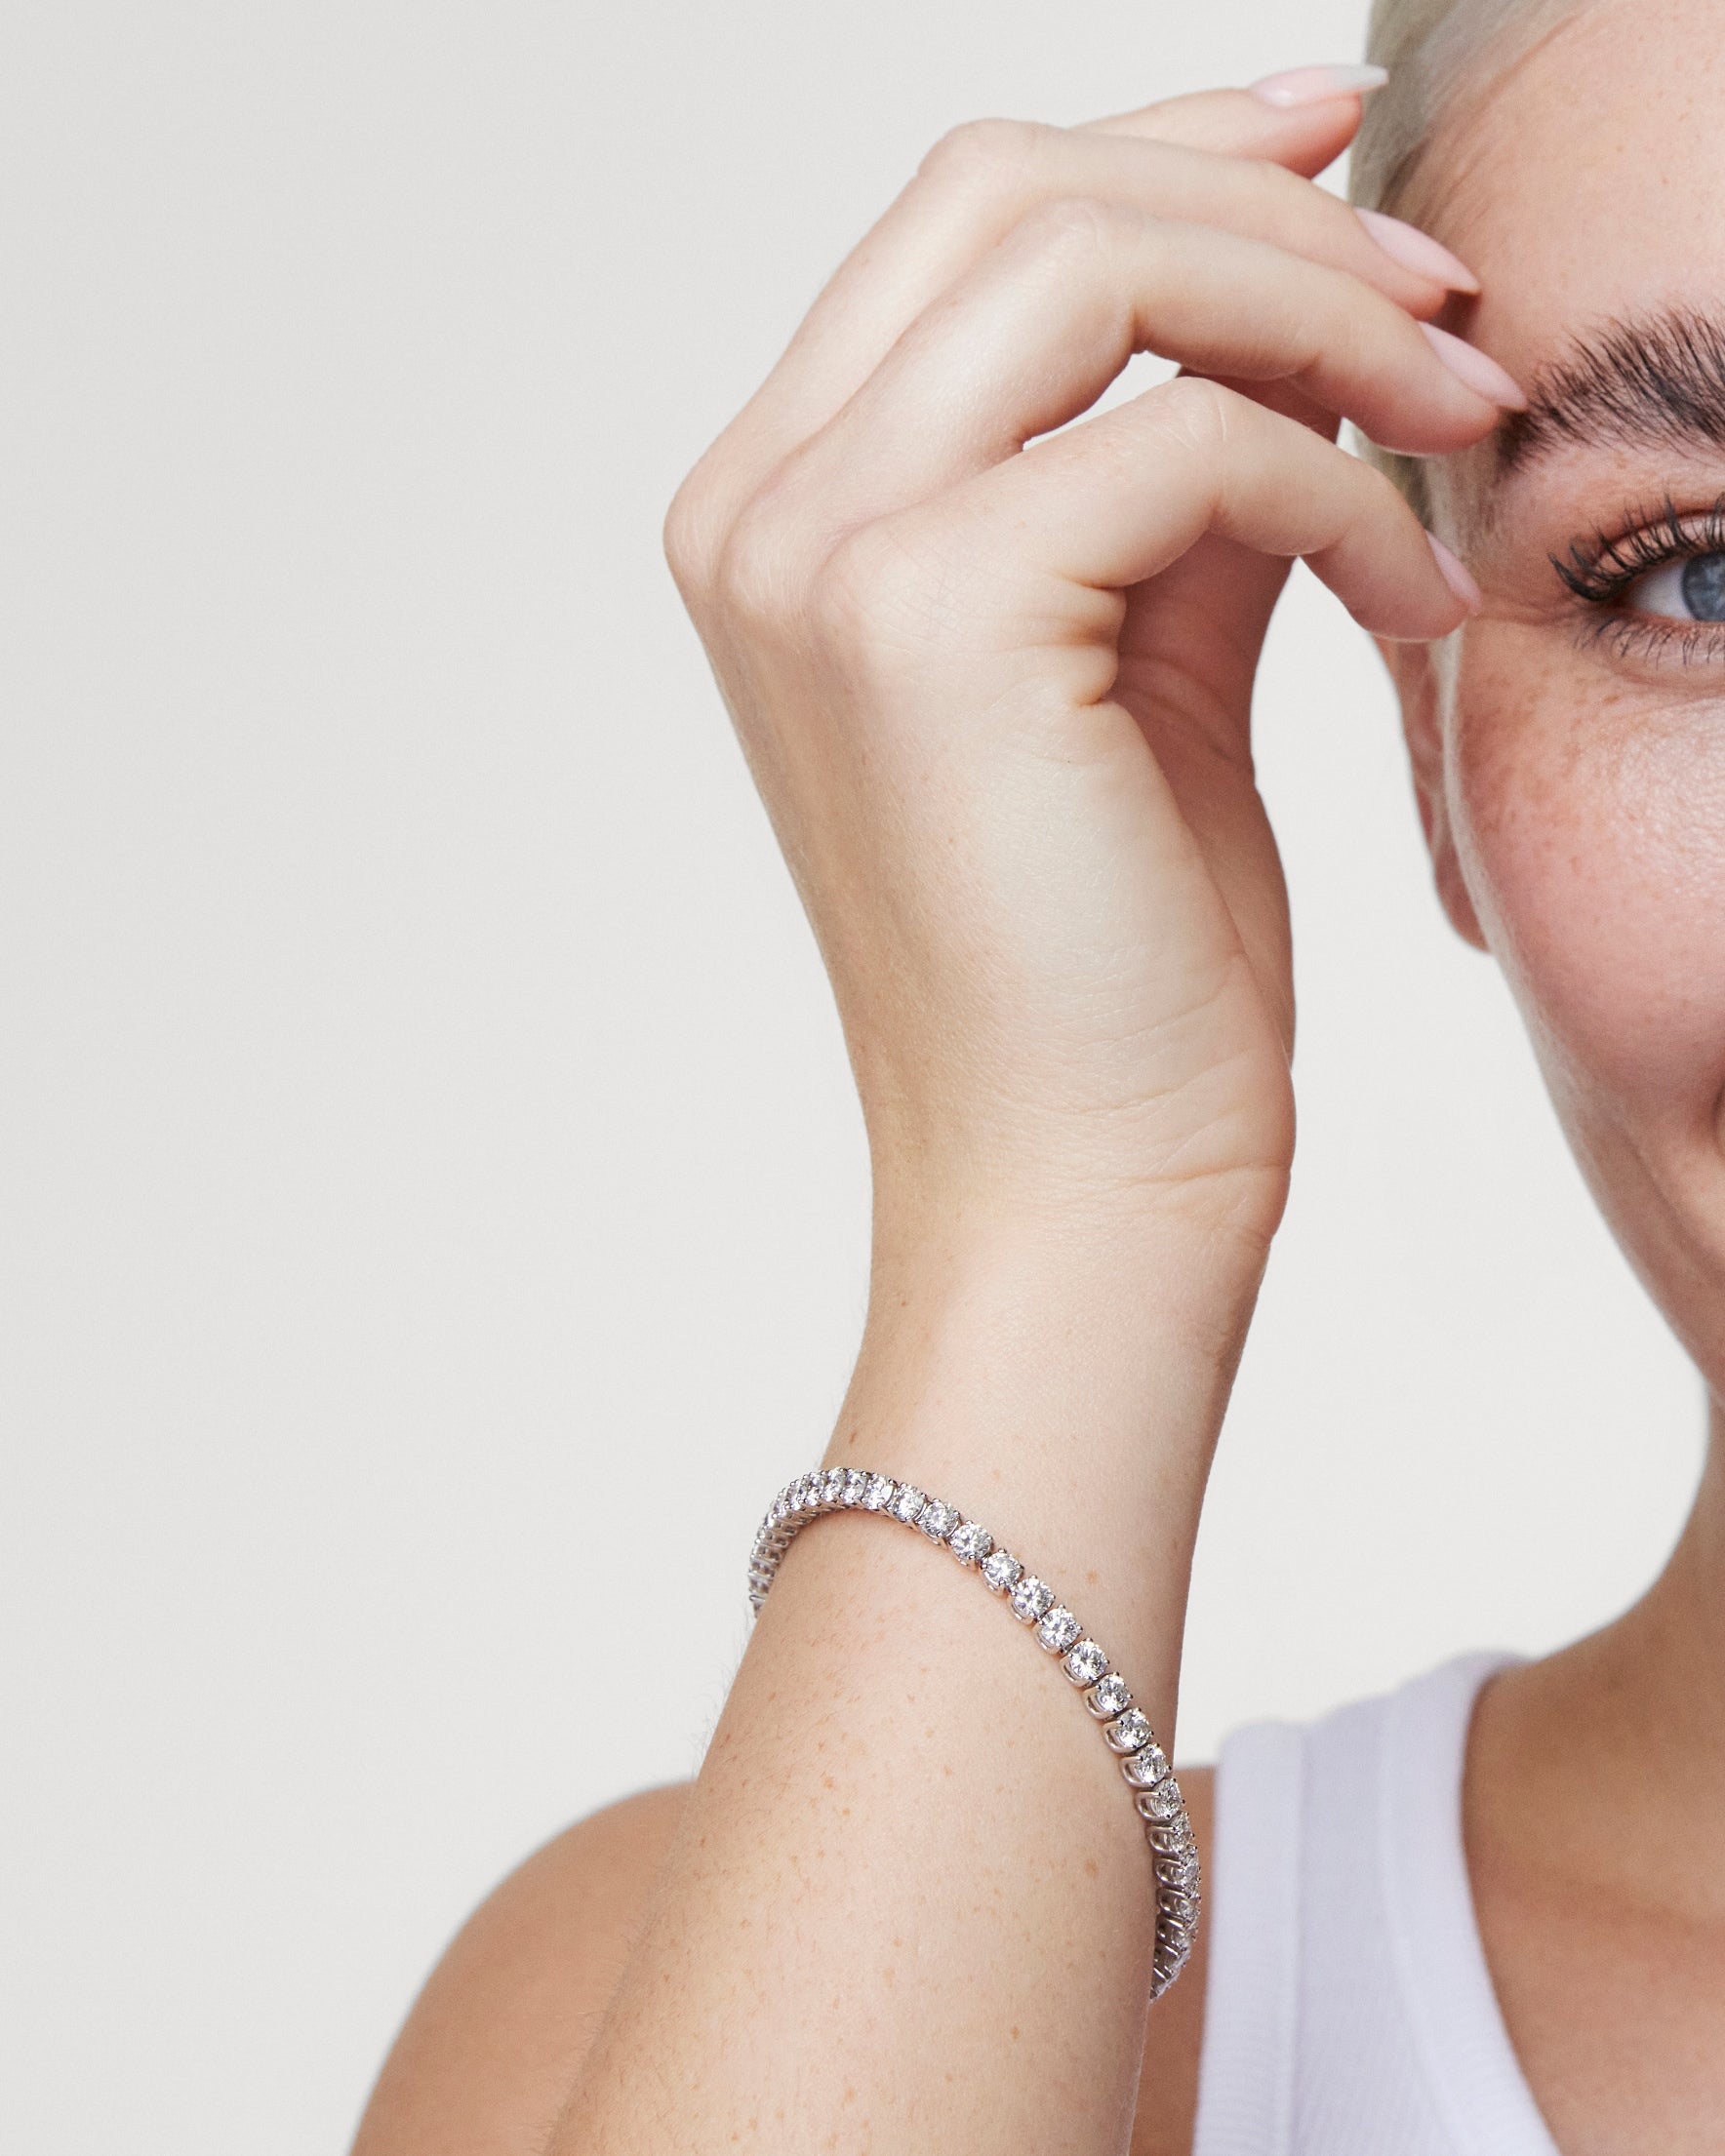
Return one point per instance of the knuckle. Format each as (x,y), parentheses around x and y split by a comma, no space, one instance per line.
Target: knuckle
(1202,411)
(1072,227)
(860,582)
(757,567)
(693,535)
(982,156)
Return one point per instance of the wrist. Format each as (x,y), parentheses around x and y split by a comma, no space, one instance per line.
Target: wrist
(1067,1388)
(1080,1211)
(1030,1269)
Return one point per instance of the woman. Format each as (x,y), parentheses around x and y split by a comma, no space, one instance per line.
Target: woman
(996,698)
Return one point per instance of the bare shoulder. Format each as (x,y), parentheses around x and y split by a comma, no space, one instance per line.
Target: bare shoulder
(495,2040)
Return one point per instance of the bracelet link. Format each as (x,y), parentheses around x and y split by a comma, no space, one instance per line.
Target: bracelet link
(1155,1793)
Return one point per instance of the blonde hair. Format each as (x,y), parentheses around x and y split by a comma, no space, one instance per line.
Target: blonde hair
(1438,53)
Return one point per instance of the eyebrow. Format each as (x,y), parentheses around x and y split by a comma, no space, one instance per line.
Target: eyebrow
(1655,382)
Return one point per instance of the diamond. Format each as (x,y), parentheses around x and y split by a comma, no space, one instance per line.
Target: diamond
(1180,1907)
(879,1493)
(1131,1733)
(1174,1839)
(808,1493)
(1162,1802)
(1086,1662)
(1178,1871)
(856,1485)
(939,1519)
(908,1503)
(835,1493)
(1001,1569)
(1145,1768)
(971,1542)
(1031,1598)
(1110,1698)
(1058,1629)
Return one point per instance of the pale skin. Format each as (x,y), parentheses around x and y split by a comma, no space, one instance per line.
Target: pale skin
(996,699)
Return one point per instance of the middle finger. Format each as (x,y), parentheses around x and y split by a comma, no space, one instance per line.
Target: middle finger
(1032,336)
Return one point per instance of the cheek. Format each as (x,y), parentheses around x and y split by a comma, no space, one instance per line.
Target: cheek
(1590,824)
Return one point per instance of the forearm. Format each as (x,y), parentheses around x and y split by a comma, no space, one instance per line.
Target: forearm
(911,1905)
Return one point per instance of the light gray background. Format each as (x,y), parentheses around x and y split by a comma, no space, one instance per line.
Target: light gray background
(434,1200)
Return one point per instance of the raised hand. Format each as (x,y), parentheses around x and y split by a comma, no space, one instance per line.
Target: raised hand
(997,697)
(993,673)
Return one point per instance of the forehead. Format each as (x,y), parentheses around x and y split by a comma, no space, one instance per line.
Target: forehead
(1588,184)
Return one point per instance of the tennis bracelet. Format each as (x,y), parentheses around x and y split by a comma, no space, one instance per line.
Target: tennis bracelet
(1157,1794)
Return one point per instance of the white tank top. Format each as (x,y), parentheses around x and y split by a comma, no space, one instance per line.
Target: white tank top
(1350,2010)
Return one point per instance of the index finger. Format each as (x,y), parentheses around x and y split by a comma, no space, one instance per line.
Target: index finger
(1302,120)
(976,184)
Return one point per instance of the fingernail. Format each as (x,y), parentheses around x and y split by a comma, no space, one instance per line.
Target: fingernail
(1456,576)
(1318,85)
(1418,251)
(1468,364)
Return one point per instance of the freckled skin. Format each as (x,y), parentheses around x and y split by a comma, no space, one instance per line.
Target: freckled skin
(1583,796)
(1574,801)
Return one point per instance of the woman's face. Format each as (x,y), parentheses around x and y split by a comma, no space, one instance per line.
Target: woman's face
(1570,745)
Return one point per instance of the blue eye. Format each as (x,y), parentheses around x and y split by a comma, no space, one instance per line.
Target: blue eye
(1692,590)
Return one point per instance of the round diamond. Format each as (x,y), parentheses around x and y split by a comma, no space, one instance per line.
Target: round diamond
(1131,1733)
(1086,1662)
(1178,1871)
(1110,1698)
(1181,1906)
(939,1519)
(1145,1768)
(1031,1598)
(879,1493)
(971,1542)
(908,1503)
(1001,1570)
(1058,1629)
(856,1485)
(1162,1802)
(1174,1838)
(834,1492)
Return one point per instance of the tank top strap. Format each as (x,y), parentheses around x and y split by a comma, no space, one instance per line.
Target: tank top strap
(1350,2009)
(1252,1906)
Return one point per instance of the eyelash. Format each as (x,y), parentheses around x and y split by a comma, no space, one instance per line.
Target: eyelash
(1600,570)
